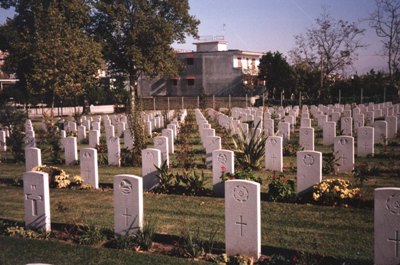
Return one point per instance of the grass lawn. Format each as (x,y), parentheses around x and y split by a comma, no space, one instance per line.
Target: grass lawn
(345,234)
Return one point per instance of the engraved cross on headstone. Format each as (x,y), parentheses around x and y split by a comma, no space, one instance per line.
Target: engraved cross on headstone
(126,215)
(396,241)
(273,157)
(241,225)
(34,198)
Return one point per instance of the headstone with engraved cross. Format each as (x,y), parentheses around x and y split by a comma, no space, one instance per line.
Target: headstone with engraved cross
(128,204)
(387,226)
(309,170)
(222,162)
(273,153)
(365,141)
(242,218)
(89,166)
(151,158)
(343,148)
(37,200)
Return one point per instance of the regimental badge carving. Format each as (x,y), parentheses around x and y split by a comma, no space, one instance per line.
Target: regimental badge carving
(149,155)
(159,142)
(393,204)
(343,141)
(365,132)
(221,158)
(125,186)
(308,160)
(87,155)
(273,141)
(240,193)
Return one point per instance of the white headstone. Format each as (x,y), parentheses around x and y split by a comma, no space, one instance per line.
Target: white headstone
(81,133)
(346,126)
(94,138)
(161,143)
(273,153)
(329,132)
(70,150)
(306,139)
(387,226)
(151,158)
(380,132)
(121,126)
(365,141)
(37,200)
(222,162)
(309,170)
(89,167)
(269,127)
(344,153)
(128,204)
(113,151)
(391,126)
(242,218)
(284,131)
(109,131)
(96,126)
(211,144)
(169,133)
(3,143)
(33,158)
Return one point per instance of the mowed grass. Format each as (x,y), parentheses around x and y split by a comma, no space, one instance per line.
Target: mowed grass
(343,233)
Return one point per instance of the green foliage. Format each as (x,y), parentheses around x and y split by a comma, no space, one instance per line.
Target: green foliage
(249,150)
(145,237)
(277,73)
(245,174)
(335,191)
(281,189)
(329,163)
(136,128)
(50,52)
(50,140)
(278,259)
(89,235)
(127,157)
(191,182)
(187,182)
(14,120)
(361,173)
(193,245)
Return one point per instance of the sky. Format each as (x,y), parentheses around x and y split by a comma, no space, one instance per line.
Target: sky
(270,25)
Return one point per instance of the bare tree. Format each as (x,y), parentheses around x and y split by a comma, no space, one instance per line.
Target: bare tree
(386,22)
(329,46)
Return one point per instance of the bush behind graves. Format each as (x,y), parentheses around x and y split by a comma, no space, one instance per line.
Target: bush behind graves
(58,178)
(329,163)
(362,172)
(50,138)
(14,119)
(335,192)
(191,182)
(281,189)
(249,149)
(245,174)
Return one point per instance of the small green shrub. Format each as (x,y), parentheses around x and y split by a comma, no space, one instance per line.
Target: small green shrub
(363,172)
(335,192)
(145,237)
(329,163)
(245,174)
(281,189)
(166,179)
(89,235)
(249,149)
(191,182)
(277,259)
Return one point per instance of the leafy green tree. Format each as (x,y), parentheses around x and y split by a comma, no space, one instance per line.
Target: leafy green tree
(137,36)
(50,53)
(276,72)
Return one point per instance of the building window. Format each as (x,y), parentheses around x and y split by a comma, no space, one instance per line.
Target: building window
(189,61)
(239,60)
(190,82)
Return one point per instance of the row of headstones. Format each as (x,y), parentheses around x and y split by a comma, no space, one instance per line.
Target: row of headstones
(151,157)
(242,214)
